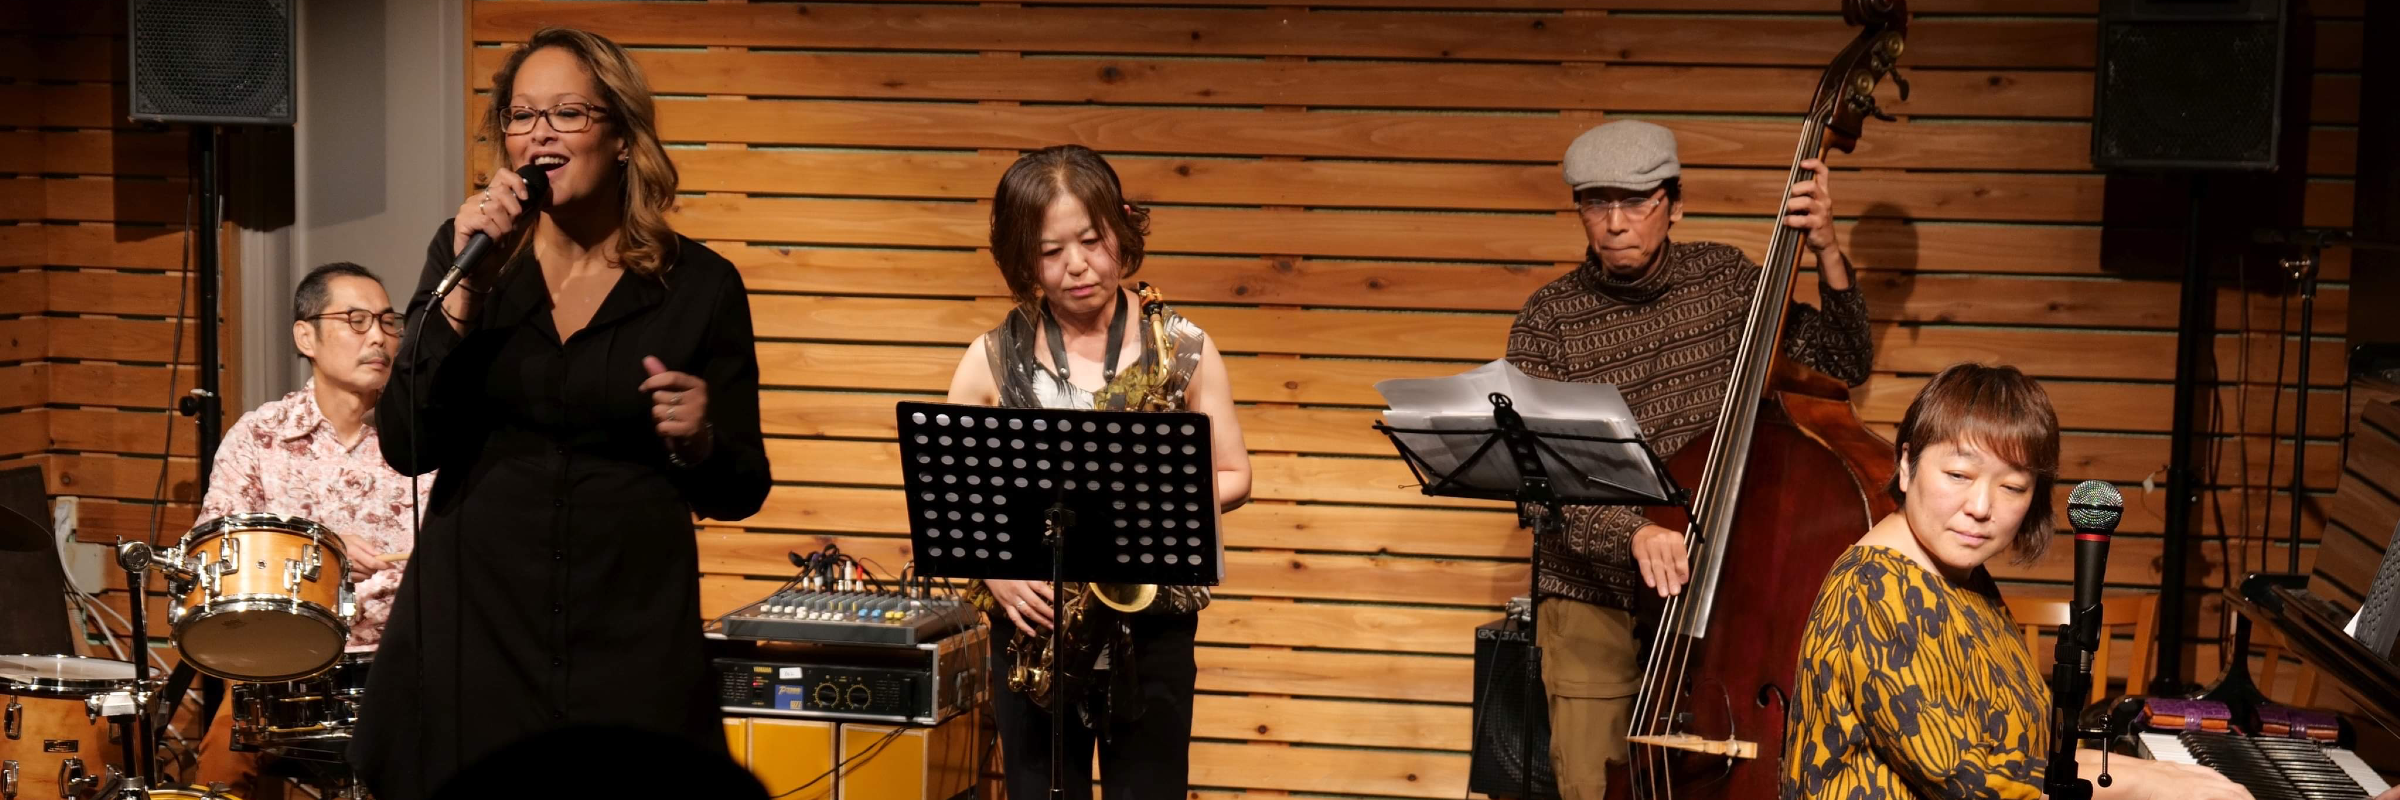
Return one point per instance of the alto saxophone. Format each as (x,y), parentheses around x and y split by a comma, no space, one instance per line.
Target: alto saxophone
(1089,621)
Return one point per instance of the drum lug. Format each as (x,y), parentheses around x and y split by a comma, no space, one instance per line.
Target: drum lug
(315,562)
(16,719)
(291,576)
(348,606)
(229,555)
(73,781)
(8,779)
(175,612)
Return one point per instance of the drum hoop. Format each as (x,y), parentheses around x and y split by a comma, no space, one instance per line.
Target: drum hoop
(258,602)
(65,688)
(252,521)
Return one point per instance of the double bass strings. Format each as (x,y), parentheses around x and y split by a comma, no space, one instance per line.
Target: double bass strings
(1649,765)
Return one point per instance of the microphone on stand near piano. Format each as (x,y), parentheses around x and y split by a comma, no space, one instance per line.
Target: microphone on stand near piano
(2291,754)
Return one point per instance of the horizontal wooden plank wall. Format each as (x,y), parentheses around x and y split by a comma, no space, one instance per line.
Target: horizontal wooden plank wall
(1362,189)
(92,278)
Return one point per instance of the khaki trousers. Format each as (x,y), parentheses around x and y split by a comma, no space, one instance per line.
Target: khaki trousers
(1590,673)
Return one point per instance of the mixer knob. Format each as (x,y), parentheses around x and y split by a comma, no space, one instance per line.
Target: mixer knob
(860,696)
(828,695)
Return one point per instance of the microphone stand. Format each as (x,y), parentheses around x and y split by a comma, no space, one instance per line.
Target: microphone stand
(2070,682)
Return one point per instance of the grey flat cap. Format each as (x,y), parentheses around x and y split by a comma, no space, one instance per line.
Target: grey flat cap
(1626,154)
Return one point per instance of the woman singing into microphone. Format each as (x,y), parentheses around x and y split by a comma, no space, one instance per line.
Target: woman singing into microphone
(1913,681)
(1066,238)
(585,391)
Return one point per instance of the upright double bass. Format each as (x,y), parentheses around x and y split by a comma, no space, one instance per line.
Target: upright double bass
(1787,480)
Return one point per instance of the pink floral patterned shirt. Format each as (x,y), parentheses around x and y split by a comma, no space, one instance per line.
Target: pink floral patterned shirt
(283,458)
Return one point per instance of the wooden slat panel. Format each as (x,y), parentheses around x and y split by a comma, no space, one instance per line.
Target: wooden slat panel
(2018,43)
(117,385)
(23,433)
(104,522)
(1375,579)
(24,385)
(1902,348)
(21,199)
(1553,238)
(115,477)
(102,200)
(23,292)
(1521,138)
(1383,772)
(122,246)
(24,339)
(1361,84)
(20,245)
(124,293)
(20,151)
(1149,179)
(112,339)
(120,431)
(115,153)
(1435,679)
(1335,722)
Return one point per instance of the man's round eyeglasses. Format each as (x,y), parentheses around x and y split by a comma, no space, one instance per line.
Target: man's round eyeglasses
(1634,207)
(358,320)
(564,117)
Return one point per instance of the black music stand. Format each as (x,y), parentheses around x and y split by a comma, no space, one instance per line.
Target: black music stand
(1060,495)
(1538,495)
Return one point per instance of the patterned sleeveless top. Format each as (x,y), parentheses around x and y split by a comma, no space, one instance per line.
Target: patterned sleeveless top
(1910,686)
(1025,382)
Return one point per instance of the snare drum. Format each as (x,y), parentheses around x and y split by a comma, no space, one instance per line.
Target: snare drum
(311,715)
(56,744)
(268,598)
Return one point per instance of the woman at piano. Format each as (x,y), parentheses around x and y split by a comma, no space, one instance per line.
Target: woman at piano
(1913,681)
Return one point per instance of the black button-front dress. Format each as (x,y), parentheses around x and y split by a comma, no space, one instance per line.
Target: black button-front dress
(556,578)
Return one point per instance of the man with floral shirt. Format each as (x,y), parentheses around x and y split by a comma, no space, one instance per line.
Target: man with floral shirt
(313,454)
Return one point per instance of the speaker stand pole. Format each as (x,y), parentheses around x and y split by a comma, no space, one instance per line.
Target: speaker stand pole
(2304,270)
(206,402)
(2192,333)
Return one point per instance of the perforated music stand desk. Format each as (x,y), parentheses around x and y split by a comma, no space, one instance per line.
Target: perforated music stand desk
(1539,490)
(1060,495)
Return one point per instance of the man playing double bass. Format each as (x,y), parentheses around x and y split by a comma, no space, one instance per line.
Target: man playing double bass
(1662,320)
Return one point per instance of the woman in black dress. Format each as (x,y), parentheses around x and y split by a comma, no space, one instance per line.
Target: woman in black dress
(584,392)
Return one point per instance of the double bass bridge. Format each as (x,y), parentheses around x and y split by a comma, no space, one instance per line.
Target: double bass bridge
(1734,748)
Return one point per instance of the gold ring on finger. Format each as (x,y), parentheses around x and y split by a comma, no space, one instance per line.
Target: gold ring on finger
(670,416)
(675,399)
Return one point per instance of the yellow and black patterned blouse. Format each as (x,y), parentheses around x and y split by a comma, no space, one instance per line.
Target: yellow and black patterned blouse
(1910,686)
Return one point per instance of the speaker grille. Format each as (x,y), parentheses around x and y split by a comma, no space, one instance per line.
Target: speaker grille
(225,61)
(2188,94)
(1508,699)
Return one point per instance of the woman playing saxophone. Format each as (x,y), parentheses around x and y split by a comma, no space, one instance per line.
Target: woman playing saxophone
(1065,238)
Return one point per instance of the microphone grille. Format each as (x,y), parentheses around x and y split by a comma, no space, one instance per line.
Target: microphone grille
(2095,506)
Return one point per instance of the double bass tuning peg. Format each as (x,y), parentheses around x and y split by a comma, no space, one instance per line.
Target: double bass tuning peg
(1899,80)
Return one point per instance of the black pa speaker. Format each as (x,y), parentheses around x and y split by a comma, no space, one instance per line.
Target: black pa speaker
(2188,84)
(1512,716)
(212,61)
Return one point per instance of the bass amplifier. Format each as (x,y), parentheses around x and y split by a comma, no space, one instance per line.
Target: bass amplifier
(1512,716)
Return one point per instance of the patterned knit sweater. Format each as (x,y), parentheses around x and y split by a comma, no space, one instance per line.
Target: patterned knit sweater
(1667,340)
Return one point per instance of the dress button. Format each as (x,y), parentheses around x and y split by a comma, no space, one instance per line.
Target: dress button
(558,555)
(559,503)
(558,609)
(558,662)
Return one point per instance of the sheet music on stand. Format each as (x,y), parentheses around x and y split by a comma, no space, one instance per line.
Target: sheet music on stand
(1588,443)
(1496,433)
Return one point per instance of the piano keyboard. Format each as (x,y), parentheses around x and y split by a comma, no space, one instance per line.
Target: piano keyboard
(2271,768)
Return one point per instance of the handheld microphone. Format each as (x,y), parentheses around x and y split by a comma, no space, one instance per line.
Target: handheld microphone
(537,190)
(2093,509)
